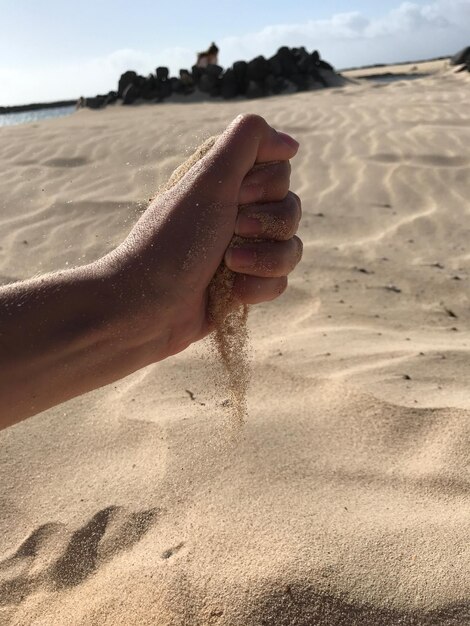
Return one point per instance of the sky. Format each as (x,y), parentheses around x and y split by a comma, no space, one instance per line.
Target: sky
(58,49)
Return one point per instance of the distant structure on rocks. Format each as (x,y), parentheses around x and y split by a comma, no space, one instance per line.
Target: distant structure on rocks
(289,70)
(209,57)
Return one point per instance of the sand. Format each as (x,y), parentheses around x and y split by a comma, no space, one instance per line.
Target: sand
(347,500)
(430,68)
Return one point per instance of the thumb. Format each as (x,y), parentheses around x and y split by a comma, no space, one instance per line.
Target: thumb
(247,140)
(190,226)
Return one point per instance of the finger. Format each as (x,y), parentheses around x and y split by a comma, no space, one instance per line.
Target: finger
(274,220)
(247,140)
(269,144)
(268,259)
(253,290)
(195,218)
(265,182)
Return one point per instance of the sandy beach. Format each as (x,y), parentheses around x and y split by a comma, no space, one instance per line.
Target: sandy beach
(346,500)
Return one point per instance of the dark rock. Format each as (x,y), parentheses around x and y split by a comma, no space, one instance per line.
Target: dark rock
(206,83)
(186,83)
(305,65)
(162,73)
(164,89)
(325,66)
(300,81)
(303,60)
(318,78)
(208,79)
(240,69)
(177,86)
(96,103)
(149,88)
(229,87)
(299,52)
(258,69)
(126,79)
(288,63)
(275,65)
(213,70)
(210,84)
(112,97)
(131,93)
(196,74)
(257,78)
(186,78)
(462,57)
(255,90)
(316,65)
(275,84)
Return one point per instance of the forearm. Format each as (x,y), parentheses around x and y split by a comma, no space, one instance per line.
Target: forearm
(64,334)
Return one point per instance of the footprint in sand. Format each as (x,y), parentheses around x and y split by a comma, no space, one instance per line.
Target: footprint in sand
(421,160)
(66,162)
(53,557)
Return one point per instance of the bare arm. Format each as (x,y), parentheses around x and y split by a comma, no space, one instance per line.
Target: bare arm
(62,335)
(67,333)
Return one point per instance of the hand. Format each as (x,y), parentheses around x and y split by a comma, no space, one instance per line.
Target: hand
(240,187)
(92,325)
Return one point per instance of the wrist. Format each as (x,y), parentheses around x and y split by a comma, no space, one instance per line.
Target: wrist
(136,320)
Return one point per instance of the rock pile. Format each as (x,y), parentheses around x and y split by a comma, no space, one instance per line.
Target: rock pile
(290,69)
(462,58)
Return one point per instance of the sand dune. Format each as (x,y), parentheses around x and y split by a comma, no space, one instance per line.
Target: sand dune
(347,501)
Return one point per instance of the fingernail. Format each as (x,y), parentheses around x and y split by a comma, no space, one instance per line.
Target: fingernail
(247,226)
(239,258)
(290,141)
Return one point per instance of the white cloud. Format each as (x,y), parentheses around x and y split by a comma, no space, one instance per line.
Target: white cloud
(351,38)
(409,32)
(89,77)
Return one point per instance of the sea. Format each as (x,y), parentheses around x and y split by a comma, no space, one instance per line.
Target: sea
(12,119)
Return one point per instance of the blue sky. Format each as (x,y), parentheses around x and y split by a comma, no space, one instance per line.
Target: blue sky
(53,49)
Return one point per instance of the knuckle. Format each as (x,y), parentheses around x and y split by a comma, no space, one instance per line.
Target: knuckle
(251,121)
(290,255)
(277,173)
(269,181)
(293,203)
(289,214)
(295,211)
(282,285)
(286,260)
(299,249)
(296,200)
(281,257)
(274,171)
(287,228)
(284,168)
